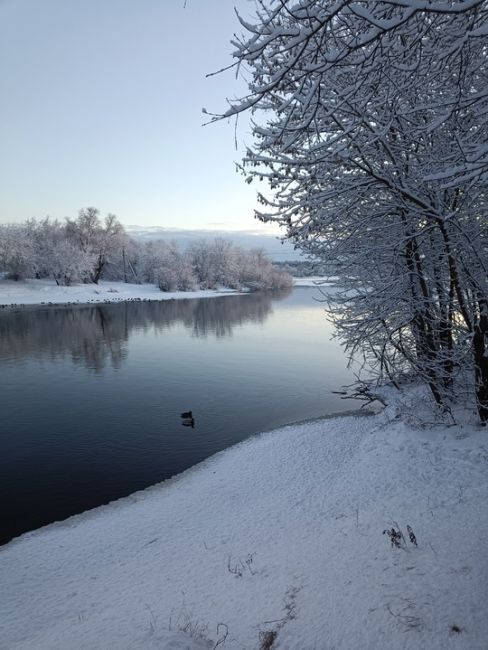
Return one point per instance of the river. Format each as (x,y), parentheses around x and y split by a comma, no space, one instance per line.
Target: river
(91,396)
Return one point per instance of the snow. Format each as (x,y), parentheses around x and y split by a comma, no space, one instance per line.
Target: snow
(281,533)
(312,281)
(44,292)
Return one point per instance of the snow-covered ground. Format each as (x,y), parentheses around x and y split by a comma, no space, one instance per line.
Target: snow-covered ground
(274,543)
(312,281)
(46,292)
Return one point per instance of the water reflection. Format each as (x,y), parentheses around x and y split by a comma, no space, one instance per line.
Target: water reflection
(101,401)
(96,336)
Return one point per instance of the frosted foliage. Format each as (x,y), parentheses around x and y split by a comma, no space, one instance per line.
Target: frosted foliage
(222,264)
(16,252)
(57,256)
(371,135)
(88,250)
(103,241)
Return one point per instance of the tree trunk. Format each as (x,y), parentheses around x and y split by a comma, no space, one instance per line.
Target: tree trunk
(481,361)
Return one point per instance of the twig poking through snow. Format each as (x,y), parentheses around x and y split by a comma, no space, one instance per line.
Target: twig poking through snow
(222,639)
(408,620)
(411,534)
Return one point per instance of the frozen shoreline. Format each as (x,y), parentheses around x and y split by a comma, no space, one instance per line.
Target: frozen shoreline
(280,533)
(46,292)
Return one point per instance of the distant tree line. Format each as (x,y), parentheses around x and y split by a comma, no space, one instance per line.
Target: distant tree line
(88,249)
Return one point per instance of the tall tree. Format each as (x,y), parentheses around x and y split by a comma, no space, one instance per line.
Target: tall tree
(373,143)
(104,241)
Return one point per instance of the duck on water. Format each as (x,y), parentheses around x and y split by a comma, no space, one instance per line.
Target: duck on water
(188,419)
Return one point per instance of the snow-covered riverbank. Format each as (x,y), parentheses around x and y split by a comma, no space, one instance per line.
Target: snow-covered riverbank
(279,538)
(46,292)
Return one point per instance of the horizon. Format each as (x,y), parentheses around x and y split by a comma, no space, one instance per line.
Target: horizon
(279,250)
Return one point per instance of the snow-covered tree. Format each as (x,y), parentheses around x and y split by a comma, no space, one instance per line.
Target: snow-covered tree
(86,250)
(162,263)
(104,241)
(67,263)
(173,270)
(203,264)
(56,256)
(17,251)
(220,263)
(373,143)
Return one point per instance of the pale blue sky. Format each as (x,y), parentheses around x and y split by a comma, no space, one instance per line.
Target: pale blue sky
(101,105)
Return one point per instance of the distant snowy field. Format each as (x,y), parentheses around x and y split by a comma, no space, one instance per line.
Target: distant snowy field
(45,292)
(313,281)
(279,537)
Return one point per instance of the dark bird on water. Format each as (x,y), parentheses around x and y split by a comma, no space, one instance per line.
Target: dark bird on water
(187,414)
(189,422)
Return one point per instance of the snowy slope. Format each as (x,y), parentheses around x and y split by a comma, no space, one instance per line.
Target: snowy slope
(281,534)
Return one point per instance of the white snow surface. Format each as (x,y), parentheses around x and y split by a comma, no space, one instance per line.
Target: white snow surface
(46,292)
(312,281)
(282,533)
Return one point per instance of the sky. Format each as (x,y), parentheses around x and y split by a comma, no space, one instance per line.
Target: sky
(102,106)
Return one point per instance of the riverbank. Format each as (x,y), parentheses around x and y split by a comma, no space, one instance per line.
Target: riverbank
(46,292)
(279,537)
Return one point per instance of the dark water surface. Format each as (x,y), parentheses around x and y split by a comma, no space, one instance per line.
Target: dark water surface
(91,396)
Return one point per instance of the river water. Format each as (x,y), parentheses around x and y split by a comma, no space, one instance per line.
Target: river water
(91,396)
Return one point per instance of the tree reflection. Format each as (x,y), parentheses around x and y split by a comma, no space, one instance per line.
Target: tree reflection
(97,335)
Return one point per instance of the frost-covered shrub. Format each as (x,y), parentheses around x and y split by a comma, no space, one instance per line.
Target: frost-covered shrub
(167,278)
(102,241)
(186,277)
(258,273)
(164,265)
(57,256)
(220,263)
(203,264)
(70,264)
(17,252)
